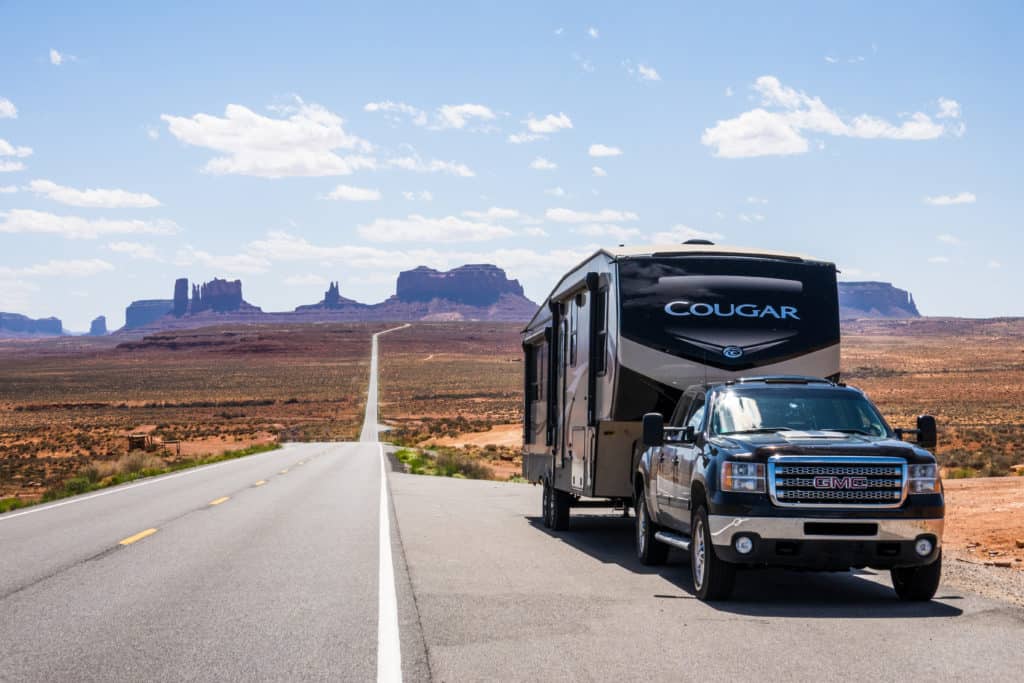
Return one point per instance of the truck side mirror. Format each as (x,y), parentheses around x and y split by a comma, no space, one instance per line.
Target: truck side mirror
(927,435)
(653,430)
(689,434)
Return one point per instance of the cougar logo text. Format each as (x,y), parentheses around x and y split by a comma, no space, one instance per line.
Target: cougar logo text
(703,310)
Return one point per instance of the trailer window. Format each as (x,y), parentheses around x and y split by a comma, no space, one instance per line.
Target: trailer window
(600,312)
(532,389)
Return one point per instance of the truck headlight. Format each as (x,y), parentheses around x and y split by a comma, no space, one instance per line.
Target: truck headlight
(743,477)
(923,478)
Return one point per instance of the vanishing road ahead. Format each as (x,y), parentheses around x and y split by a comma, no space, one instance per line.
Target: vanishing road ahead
(298,565)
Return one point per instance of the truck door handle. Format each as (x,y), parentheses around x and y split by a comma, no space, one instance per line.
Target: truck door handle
(675,460)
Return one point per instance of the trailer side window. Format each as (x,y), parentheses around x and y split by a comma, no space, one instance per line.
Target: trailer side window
(574,328)
(532,389)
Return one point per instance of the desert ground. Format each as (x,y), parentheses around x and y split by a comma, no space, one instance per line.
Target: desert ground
(455,388)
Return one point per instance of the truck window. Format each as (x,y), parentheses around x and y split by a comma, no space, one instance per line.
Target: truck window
(796,408)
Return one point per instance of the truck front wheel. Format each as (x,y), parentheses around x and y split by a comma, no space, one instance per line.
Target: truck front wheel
(648,550)
(917,584)
(712,577)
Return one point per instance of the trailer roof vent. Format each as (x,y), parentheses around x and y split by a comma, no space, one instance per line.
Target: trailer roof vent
(698,242)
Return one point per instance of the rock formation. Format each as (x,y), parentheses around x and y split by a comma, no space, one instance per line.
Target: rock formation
(17,324)
(479,284)
(220,296)
(180,297)
(333,300)
(146,311)
(98,327)
(875,300)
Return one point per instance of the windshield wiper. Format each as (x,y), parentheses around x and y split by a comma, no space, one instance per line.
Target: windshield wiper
(849,430)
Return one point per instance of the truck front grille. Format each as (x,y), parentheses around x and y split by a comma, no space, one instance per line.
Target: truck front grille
(816,481)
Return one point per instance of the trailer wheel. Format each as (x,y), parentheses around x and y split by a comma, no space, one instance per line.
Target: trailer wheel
(648,550)
(713,578)
(545,503)
(561,507)
(917,584)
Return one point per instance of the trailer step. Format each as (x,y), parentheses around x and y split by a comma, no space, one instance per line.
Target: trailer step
(674,540)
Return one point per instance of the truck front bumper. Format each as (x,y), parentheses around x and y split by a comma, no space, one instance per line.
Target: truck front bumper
(826,543)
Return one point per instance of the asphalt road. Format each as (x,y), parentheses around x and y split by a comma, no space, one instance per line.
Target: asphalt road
(307,568)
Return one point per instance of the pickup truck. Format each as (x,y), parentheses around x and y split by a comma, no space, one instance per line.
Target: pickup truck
(794,472)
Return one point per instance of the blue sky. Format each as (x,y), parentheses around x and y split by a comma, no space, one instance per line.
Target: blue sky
(348,142)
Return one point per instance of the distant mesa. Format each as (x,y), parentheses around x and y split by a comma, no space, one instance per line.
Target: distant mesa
(332,301)
(875,300)
(17,325)
(98,327)
(217,296)
(475,284)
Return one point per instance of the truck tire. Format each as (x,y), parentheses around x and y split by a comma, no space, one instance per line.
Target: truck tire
(917,584)
(713,578)
(561,507)
(648,551)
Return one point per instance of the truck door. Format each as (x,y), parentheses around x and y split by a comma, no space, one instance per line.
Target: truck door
(687,453)
(669,503)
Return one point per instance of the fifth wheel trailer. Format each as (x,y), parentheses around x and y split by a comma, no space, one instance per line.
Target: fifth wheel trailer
(626,331)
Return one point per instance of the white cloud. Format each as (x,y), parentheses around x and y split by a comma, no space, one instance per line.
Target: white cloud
(415,163)
(593,32)
(760,132)
(446,116)
(417,228)
(602,216)
(617,232)
(549,124)
(61,268)
(600,150)
(534,231)
(76,227)
(302,144)
(423,196)
(14,292)
(134,249)
(948,239)
(56,58)
(555,192)
(542,164)
(647,73)
(598,171)
(559,31)
(681,233)
(7,109)
(8,189)
(751,217)
(584,63)
(520,138)
(831,60)
(728,91)
(494,213)
(11,166)
(230,264)
(756,200)
(938,259)
(458,115)
(152,132)
(948,109)
(393,109)
(9,150)
(951,199)
(92,198)
(307,280)
(353,194)
(995,265)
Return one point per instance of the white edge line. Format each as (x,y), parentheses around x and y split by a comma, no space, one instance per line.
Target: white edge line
(119,489)
(389,646)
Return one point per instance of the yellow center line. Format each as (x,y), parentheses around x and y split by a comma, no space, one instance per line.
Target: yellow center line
(137,537)
(220,500)
(261,482)
(284,471)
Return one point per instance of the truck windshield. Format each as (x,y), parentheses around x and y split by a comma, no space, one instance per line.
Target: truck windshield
(746,410)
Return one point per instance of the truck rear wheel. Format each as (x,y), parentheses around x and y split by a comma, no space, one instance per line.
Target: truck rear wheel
(917,584)
(561,507)
(545,503)
(648,550)
(713,578)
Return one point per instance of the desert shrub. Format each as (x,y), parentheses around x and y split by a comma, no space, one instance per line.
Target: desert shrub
(8,504)
(451,463)
(961,473)
(138,461)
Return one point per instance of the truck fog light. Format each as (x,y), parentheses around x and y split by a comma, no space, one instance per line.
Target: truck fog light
(744,544)
(923,547)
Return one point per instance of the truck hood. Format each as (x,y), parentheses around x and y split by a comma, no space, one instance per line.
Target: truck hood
(821,443)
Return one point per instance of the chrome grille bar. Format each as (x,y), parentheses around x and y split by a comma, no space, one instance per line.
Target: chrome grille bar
(837,481)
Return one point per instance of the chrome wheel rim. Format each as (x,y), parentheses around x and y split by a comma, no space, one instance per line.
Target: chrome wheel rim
(698,554)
